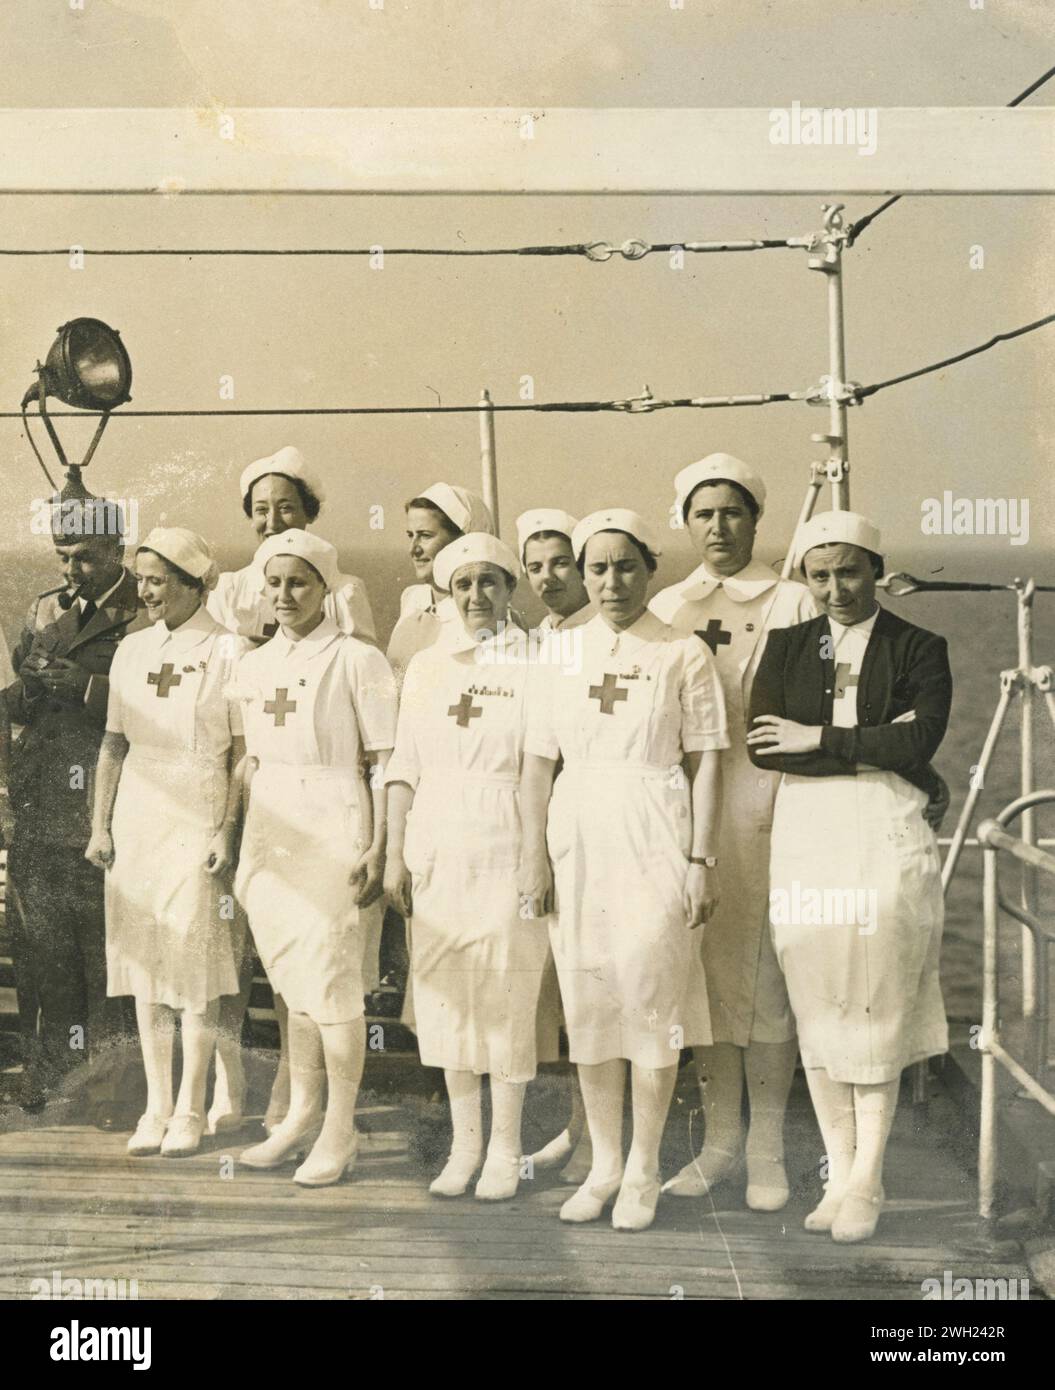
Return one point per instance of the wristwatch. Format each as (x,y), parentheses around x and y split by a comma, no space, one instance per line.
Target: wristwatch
(707,861)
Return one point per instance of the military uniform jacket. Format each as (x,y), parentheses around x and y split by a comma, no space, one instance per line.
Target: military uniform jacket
(53,759)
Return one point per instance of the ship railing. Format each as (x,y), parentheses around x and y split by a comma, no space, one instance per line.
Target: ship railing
(1031,1076)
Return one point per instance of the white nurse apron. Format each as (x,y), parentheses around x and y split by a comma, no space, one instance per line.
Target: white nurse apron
(171,933)
(856,908)
(303,834)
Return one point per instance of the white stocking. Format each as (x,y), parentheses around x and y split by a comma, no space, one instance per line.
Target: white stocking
(157,1025)
(874,1108)
(833,1103)
(198,1038)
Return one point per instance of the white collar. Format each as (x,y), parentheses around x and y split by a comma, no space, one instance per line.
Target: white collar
(647,628)
(746,584)
(308,646)
(197,627)
(862,629)
(552,622)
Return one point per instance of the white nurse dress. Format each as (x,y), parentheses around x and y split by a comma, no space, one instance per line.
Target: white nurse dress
(476,964)
(171,936)
(732,614)
(311,708)
(620,833)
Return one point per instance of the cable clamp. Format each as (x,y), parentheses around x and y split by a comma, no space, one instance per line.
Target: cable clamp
(638,405)
(634,249)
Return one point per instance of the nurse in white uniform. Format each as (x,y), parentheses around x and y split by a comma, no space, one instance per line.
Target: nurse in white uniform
(164,828)
(277,492)
(851,707)
(544,539)
(730,602)
(454,846)
(435,518)
(633,841)
(318,706)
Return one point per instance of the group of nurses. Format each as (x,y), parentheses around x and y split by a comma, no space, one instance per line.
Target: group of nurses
(511,828)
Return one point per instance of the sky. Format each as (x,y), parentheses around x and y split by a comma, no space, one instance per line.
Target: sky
(424,330)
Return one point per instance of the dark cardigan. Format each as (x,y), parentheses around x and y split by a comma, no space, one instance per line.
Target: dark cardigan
(904,668)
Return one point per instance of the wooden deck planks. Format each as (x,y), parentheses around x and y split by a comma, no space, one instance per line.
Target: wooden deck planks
(72,1200)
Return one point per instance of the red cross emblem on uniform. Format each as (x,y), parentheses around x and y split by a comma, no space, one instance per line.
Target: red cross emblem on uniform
(465,710)
(279,707)
(715,636)
(164,679)
(608,693)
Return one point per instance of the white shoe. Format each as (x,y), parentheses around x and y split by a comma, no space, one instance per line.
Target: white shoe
(499,1179)
(558,1150)
(589,1202)
(703,1173)
(183,1135)
(457,1174)
(319,1170)
(767,1183)
(635,1207)
(857,1217)
(149,1133)
(282,1145)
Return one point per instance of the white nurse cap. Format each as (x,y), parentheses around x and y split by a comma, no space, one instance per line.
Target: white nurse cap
(543,519)
(614,519)
(836,528)
(186,550)
(289,462)
(713,467)
(474,548)
(320,554)
(466,509)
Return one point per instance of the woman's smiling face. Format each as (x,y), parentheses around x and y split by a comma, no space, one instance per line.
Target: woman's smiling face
(481,593)
(276,505)
(166,597)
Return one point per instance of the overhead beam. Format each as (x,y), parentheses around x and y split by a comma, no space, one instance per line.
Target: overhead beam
(477,150)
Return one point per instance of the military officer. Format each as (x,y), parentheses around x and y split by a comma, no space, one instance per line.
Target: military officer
(59,696)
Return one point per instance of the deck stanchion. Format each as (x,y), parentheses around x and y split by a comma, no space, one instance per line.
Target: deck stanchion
(1024,593)
(488,462)
(825,253)
(987,1121)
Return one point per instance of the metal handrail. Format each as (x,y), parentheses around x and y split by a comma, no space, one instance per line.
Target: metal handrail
(996,841)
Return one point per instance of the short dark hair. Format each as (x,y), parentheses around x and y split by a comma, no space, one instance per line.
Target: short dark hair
(545,536)
(748,501)
(311,504)
(187,580)
(651,563)
(424,504)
